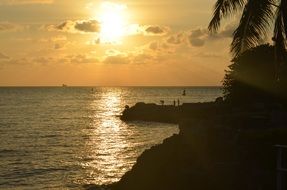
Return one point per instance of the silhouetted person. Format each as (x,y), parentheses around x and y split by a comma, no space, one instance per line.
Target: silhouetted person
(173,102)
(162,102)
(178,102)
(183,93)
(219,100)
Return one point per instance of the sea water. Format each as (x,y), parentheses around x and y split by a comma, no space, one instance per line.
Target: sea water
(67,137)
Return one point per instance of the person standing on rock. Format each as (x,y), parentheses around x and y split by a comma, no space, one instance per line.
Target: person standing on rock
(184,93)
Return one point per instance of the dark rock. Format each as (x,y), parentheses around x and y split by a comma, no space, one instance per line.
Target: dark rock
(218,147)
(207,158)
(151,112)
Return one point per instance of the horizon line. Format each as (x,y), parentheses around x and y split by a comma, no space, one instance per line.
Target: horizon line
(101,86)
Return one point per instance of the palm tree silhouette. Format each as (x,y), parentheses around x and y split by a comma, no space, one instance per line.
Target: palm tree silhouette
(256,19)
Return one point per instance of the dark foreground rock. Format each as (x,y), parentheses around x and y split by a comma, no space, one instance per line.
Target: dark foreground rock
(152,112)
(169,113)
(208,159)
(218,148)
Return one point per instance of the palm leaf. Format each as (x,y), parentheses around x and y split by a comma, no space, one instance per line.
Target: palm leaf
(280,28)
(283,7)
(280,31)
(253,26)
(224,8)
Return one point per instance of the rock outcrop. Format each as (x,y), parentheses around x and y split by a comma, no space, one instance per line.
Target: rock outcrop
(204,157)
(218,147)
(152,112)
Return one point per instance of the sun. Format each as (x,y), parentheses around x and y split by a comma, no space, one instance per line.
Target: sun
(113,21)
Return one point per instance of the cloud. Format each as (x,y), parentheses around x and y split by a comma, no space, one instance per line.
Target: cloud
(141,55)
(176,39)
(88,26)
(15,61)
(59,46)
(60,59)
(117,59)
(198,33)
(154,30)
(95,41)
(114,56)
(22,2)
(154,46)
(159,46)
(43,60)
(181,43)
(198,37)
(114,52)
(227,31)
(58,38)
(64,27)
(3,56)
(7,26)
(145,30)
(143,58)
(81,59)
(94,26)
(79,26)
(58,42)
(197,42)
(65,59)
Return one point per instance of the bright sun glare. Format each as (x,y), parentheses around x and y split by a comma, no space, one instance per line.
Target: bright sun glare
(113,22)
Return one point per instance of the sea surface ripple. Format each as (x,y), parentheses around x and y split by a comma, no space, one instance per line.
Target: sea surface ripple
(67,137)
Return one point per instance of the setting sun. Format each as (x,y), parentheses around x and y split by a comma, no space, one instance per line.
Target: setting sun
(113,21)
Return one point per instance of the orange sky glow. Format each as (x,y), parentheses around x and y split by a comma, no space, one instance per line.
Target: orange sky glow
(111,43)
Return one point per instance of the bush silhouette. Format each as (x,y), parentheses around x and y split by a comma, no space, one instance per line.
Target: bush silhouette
(252,78)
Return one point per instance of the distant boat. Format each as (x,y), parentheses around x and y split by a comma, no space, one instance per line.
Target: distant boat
(64,85)
(183,93)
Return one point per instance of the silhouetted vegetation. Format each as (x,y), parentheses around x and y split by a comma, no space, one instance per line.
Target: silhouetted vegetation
(257,17)
(257,73)
(252,78)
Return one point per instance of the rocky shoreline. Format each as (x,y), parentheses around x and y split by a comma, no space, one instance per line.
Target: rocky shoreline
(152,112)
(169,113)
(218,147)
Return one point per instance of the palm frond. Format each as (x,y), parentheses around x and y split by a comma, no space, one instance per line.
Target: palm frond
(280,28)
(283,7)
(224,8)
(257,16)
(280,31)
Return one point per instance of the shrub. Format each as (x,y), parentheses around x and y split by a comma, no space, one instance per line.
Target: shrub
(252,78)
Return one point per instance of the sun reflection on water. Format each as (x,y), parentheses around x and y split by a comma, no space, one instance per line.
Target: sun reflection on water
(111,146)
(106,141)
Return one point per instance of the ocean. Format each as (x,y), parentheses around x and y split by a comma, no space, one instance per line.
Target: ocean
(68,137)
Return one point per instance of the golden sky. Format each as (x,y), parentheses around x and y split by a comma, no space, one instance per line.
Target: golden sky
(111,43)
